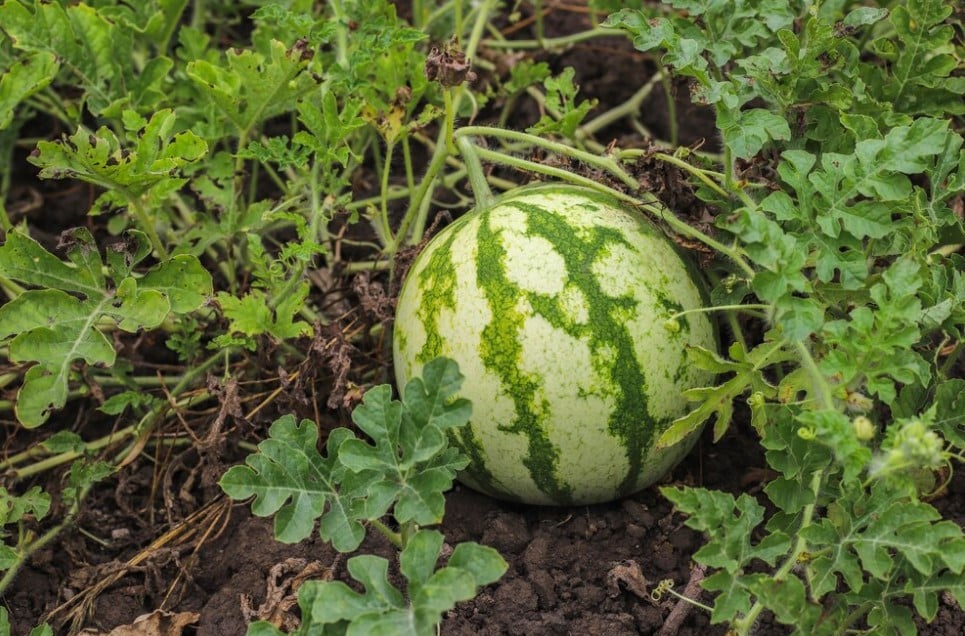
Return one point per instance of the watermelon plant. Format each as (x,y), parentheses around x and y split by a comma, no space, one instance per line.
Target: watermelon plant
(554,299)
(402,470)
(252,179)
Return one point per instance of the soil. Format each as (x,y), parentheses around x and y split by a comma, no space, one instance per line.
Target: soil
(161,535)
(586,570)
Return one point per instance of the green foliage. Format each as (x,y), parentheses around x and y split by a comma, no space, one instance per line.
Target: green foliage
(845,232)
(561,101)
(33,503)
(21,516)
(884,547)
(290,480)
(402,469)
(117,403)
(93,48)
(718,401)
(816,67)
(173,163)
(332,607)
(406,467)
(24,77)
(131,172)
(527,73)
(219,147)
(251,315)
(64,320)
(727,31)
(923,58)
(249,87)
(228,152)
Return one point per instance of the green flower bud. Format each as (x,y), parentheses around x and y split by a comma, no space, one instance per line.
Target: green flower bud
(756,400)
(919,445)
(864,428)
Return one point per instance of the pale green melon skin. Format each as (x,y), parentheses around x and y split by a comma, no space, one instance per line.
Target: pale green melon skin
(555,388)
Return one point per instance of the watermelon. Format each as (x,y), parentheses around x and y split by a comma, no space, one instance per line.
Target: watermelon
(554,301)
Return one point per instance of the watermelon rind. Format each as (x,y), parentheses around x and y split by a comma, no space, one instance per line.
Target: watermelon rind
(553,300)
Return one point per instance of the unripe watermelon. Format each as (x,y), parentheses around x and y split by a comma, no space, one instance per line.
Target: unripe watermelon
(553,301)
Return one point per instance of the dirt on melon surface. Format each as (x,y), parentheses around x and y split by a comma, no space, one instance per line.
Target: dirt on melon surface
(160,535)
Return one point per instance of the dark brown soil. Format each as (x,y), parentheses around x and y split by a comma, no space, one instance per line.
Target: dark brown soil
(163,536)
(561,579)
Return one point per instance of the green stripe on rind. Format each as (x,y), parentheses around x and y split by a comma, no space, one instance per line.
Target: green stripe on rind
(501,352)
(602,329)
(476,474)
(437,281)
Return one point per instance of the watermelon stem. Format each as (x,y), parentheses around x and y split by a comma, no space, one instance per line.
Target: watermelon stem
(395,538)
(474,170)
(628,108)
(557,173)
(450,118)
(685,229)
(706,310)
(820,384)
(498,41)
(647,201)
(605,163)
(415,216)
(702,174)
(384,227)
(745,625)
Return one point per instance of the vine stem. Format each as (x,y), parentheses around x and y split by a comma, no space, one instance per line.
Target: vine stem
(341,34)
(744,626)
(316,230)
(607,163)
(450,120)
(142,427)
(415,216)
(556,173)
(10,288)
(142,217)
(474,169)
(629,107)
(706,310)
(386,228)
(553,43)
(671,106)
(395,538)
(138,429)
(685,229)
(31,548)
(821,387)
(651,204)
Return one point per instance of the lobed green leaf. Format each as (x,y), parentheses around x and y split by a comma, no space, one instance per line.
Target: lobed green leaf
(100,157)
(28,75)
(409,450)
(248,88)
(288,478)
(334,607)
(58,324)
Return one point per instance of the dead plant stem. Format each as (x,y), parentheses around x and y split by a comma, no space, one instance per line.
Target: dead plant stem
(683,607)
